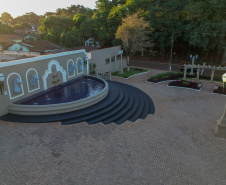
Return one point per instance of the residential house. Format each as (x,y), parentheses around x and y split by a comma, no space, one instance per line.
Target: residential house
(41,46)
(91,42)
(31,38)
(26,31)
(8,39)
(28,37)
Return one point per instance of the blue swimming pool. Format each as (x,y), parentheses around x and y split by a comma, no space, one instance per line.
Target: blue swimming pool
(73,90)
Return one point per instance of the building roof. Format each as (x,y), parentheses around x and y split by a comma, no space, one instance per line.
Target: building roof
(26,34)
(87,48)
(9,37)
(41,46)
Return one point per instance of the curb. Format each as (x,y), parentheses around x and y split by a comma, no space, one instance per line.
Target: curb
(132,75)
(219,94)
(159,82)
(185,88)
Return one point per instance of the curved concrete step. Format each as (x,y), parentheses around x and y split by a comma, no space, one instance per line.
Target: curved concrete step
(139,110)
(145,108)
(123,102)
(110,113)
(95,113)
(133,108)
(121,111)
(111,97)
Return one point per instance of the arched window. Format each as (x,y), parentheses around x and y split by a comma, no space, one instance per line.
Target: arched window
(80,65)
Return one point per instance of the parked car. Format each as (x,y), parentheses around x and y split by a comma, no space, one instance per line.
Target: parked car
(194,70)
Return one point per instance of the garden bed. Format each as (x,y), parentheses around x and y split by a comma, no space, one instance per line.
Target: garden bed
(179,76)
(219,90)
(167,76)
(186,84)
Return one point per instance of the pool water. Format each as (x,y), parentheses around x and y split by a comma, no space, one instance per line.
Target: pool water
(70,91)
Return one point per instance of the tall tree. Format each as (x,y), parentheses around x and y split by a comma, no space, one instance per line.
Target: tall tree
(6,18)
(52,27)
(87,29)
(100,21)
(168,20)
(70,39)
(78,19)
(207,25)
(134,34)
(5,29)
(29,17)
(22,26)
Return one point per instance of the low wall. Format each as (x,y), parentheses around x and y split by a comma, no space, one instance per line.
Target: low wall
(12,55)
(20,75)
(20,52)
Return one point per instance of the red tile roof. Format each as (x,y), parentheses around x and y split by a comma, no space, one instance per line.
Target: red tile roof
(41,46)
(87,48)
(9,37)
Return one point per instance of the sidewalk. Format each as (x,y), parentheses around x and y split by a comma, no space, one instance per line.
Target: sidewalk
(176,145)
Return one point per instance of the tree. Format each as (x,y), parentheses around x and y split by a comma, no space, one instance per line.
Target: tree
(22,26)
(29,17)
(70,39)
(78,19)
(134,34)
(207,25)
(87,28)
(6,18)
(53,26)
(168,19)
(100,21)
(5,29)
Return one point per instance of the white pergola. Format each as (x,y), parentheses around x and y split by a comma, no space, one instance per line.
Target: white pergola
(213,68)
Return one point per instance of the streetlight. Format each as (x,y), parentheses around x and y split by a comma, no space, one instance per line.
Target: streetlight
(120,53)
(193,58)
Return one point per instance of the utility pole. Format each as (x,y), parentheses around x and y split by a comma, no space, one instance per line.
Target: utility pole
(171,52)
(120,53)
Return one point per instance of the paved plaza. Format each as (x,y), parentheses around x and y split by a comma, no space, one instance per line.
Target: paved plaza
(176,145)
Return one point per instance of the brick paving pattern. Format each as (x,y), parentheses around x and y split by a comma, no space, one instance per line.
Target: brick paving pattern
(175,146)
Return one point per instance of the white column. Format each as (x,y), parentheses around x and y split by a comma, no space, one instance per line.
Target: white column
(220,130)
(197,78)
(185,71)
(193,62)
(121,52)
(87,64)
(212,76)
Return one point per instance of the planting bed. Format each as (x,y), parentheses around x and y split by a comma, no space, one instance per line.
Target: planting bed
(167,76)
(186,84)
(219,90)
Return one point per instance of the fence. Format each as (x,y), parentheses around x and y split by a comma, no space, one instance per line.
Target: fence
(213,68)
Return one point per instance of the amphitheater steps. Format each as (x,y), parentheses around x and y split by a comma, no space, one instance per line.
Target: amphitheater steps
(123,102)
(97,112)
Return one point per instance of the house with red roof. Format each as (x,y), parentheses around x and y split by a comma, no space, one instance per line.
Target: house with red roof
(8,39)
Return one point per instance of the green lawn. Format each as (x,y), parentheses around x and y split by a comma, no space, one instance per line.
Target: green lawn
(164,75)
(132,71)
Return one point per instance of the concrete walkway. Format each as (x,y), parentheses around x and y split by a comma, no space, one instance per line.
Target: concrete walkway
(175,146)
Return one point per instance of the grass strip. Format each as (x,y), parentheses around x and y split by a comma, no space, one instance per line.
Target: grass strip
(132,71)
